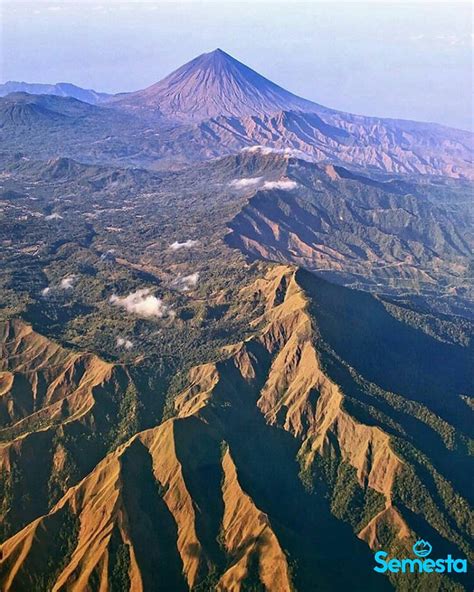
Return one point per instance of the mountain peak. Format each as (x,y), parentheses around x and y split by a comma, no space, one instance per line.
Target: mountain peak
(219,51)
(219,54)
(211,85)
(216,59)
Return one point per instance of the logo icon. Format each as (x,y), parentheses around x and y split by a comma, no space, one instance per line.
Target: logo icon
(422,548)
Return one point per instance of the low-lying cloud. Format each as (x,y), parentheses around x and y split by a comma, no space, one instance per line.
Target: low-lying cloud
(290,152)
(186,282)
(262,149)
(188,244)
(245,183)
(54,216)
(68,282)
(121,342)
(143,304)
(284,184)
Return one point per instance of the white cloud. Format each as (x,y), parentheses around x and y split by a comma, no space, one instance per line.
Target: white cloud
(263,150)
(284,184)
(245,182)
(188,244)
(54,216)
(253,149)
(67,282)
(284,151)
(186,282)
(297,154)
(125,343)
(143,304)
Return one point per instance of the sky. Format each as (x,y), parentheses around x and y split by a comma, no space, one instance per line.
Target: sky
(399,59)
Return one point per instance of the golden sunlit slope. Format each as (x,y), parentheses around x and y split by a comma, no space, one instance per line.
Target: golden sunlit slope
(294,392)
(50,396)
(268,475)
(138,502)
(42,383)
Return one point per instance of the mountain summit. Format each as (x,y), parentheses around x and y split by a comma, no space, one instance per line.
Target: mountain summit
(214,84)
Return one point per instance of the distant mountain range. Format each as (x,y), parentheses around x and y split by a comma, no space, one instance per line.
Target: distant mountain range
(60,89)
(215,105)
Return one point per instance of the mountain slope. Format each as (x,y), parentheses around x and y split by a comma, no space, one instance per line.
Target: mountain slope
(60,89)
(57,405)
(144,493)
(268,458)
(50,126)
(368,144)
(388,237)
(411,240)
(23,110)
(210,85)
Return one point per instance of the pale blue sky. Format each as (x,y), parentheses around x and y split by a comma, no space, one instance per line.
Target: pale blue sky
(404,60)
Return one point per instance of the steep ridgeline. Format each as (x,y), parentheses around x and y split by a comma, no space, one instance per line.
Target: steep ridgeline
(371,144)
(60,411)
(302,449)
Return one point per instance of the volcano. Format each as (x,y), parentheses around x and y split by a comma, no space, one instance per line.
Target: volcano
(215,105)
(211,85)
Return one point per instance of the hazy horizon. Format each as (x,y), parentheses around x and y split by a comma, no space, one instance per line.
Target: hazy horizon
(407,61)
